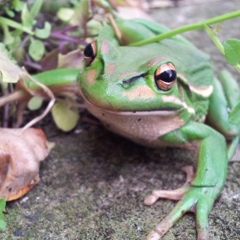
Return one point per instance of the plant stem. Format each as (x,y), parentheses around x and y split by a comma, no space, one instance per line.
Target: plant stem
(217,43)
(214,38)
(13,24)
(191,27)
(15,96)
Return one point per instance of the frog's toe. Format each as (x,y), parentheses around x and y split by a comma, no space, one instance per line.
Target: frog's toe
(195,200)
(176,194)
(202,211)
(162,228)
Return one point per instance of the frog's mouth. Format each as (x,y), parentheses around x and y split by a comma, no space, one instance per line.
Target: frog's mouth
(178,107)
(93,108)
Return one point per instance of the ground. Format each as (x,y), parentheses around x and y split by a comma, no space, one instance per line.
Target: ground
(93,184)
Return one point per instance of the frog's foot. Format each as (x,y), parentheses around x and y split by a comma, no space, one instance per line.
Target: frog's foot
(176,194)
(196,199)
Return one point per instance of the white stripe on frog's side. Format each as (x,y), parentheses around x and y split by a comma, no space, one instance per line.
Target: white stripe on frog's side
(172,99)
(204,92)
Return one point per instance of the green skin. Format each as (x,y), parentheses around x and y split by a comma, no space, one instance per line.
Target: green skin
(195,97)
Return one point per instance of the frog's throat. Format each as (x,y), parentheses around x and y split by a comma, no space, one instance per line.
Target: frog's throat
(144,127)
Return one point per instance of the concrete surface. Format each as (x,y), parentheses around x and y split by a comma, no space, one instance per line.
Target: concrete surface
(94,182)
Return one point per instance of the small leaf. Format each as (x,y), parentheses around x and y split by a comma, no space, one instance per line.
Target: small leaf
(36,8)
(44,32)
(65,14)
(18,5)
(2,219)
(78,16)
(35,103)
(232,51)
(9,72)
(234,116)
(36,49)
(3,225)
(73,59)
(9,12)
(8,38)
(66,118)
(50,60)
(26,17)
(2,204)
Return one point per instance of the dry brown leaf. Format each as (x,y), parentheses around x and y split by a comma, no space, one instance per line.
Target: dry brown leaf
(73,59)
(20,154)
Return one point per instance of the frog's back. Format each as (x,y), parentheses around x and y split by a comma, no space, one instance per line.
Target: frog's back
(189,60)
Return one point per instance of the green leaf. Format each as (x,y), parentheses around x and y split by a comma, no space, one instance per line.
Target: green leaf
(234,116)
(27,19)
(74,2)
(77,16)
(36,8)
(9,12)
(35,103)
(16,25)
(18,5)
(65,117)
(232,51)
(2,204)
(3,225)
(65,14)
(8,38)
(44,32)
(36,49)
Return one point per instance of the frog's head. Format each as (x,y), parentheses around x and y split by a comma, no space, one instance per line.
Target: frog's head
(124,78)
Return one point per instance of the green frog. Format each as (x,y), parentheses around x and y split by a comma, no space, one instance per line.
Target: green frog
(164,94)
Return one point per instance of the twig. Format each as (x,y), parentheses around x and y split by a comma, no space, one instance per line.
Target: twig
(50,104)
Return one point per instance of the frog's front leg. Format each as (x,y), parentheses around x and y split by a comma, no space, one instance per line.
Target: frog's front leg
(209,179)
(225,96)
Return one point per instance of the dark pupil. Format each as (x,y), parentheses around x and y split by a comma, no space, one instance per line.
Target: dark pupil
(167,76)
(88,51)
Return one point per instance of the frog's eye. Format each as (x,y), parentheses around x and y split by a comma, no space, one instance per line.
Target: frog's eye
(90,52)
(165,76)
